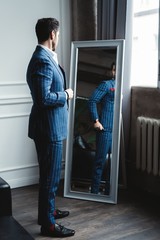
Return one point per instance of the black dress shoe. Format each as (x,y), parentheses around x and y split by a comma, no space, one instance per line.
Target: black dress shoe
(57,215)
(57,231)
(60,214)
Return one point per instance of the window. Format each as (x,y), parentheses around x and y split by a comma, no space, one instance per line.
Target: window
(144,69)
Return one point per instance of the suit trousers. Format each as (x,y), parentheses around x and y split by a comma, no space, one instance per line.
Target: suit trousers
(49,157)
(103,147)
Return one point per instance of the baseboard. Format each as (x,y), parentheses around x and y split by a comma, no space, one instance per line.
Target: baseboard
(23,176)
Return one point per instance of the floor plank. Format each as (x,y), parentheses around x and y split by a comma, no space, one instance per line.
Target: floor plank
(135,217)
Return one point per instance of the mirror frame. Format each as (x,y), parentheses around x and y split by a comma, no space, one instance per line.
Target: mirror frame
(75,47)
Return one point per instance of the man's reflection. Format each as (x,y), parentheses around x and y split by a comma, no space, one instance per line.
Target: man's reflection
(103,122)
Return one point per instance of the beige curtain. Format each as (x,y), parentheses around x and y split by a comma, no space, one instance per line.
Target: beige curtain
(111,19)
(98,19)
(84,19)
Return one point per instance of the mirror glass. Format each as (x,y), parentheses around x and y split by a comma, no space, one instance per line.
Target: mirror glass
(92,147)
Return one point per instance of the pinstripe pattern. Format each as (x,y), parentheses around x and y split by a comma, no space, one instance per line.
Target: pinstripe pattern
(103,146)
(47,126)
(49,171)
(49,111)
(103,95)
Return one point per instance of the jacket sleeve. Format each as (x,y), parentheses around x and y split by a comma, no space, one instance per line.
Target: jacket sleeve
(96,98)
(47,87)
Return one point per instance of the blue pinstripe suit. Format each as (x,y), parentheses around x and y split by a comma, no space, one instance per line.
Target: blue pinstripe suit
(103,95)
(47,126)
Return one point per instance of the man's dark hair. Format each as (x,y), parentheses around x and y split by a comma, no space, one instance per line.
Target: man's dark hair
(44,27)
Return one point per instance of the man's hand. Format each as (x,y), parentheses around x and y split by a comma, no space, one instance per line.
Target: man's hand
(98,126)
(69,92)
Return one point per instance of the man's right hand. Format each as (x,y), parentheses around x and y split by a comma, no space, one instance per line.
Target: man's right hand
(98,126)
(69,92)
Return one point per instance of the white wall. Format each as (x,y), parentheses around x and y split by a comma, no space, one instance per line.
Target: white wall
(18,161)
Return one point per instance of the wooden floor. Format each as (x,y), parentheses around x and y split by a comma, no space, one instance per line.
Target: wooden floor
(135,217)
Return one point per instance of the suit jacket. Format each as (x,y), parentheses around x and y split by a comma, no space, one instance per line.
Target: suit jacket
(103,95)
(49,113)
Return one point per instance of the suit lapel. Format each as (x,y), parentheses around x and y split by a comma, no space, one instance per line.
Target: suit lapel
(60,70)
(64,76)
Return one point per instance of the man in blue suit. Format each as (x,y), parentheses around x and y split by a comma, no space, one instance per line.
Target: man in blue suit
(103,122)
(48,122)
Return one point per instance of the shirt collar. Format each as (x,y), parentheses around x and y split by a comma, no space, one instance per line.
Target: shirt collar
(54,54)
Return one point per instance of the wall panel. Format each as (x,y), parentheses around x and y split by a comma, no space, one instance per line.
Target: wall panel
(18,160)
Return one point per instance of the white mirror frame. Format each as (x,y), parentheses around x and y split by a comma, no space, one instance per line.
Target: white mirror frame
(68,192)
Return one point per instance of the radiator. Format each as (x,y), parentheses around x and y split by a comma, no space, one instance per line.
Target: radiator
(148,145)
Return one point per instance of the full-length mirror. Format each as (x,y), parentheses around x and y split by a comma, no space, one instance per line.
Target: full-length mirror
(92,148)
